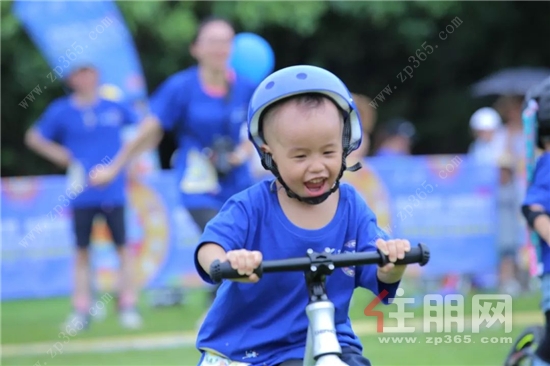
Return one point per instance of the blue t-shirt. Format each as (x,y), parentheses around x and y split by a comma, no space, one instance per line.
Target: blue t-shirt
(93,135)
(539,193)
(268,318)
(183,106)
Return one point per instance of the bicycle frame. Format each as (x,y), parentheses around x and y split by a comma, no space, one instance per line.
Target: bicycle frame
(322,346)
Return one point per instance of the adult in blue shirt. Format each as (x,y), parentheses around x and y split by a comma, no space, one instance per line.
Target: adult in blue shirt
(206,106)
(82,132)
(536,209)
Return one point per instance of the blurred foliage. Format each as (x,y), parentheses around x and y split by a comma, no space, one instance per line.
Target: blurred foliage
(366,43)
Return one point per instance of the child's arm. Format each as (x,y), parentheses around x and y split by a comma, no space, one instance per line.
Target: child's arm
(244,261)
(538,220)
(542,227)
(208,253)
(394,249)
(224,239)
(383,282)
(538,192)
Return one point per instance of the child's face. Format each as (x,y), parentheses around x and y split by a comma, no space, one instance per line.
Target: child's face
(306,144)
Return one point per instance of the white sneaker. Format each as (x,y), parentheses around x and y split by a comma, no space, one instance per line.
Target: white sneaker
(75,322)
(130,319)
(511,287)
(100,314)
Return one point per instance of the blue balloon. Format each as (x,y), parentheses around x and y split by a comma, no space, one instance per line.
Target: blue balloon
(252,57)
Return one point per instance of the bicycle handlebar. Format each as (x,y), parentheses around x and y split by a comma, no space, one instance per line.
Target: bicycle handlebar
(313,261)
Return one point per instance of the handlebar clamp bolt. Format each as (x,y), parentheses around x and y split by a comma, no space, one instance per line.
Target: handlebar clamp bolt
(313,268)
(331,267)
(309,251)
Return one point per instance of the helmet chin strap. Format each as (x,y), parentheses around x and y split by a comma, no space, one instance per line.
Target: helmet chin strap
(268,163)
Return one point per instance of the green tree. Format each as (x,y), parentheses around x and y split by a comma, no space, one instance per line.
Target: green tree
(368,44)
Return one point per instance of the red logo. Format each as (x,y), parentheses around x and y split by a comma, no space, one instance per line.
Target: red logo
(369,311)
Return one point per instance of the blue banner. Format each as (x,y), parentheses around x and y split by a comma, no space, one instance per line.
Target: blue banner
(446,202)
(68,33)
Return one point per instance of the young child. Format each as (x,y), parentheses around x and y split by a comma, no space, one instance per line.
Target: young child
(536,209)
(303,123)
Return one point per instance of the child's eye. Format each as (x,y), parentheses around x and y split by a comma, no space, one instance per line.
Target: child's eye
(299,156)
(329,152)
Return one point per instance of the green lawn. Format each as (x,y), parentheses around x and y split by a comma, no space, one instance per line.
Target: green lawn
(38,321)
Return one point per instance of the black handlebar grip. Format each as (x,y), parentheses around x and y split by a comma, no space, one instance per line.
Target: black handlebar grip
(223,270)
(420,255)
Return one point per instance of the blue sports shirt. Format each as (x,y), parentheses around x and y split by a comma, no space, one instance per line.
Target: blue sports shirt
(539,193)
(197,117)
(93,135)
(267,319)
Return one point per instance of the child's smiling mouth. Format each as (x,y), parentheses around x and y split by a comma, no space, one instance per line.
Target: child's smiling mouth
(316,186)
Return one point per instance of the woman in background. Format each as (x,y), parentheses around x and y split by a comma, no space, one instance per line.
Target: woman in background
(206,106)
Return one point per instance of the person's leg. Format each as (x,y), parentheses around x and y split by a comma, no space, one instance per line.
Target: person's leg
(508,272)
(82,294)
(127,287)
(353,356)
(543,350)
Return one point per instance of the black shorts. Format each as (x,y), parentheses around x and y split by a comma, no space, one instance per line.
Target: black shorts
(83,219)
(350,355)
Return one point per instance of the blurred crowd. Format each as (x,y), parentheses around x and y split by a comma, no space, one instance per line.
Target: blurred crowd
(214,154)
(497,141)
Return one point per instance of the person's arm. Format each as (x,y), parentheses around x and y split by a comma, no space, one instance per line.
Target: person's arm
(49,150)
(227,231)
(538,220)
(539,191)
(542,227)
(41,137)
(148,136)
(208,253)
(167,105)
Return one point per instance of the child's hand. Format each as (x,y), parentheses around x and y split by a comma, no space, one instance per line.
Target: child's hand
(394,249)
(245,262)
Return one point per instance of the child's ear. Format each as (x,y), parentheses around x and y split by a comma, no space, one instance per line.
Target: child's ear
(265,149)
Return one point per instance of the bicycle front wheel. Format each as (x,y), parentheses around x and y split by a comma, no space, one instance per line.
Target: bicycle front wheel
(524,348)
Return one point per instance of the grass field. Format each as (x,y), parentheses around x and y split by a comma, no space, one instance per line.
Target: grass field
(30,329)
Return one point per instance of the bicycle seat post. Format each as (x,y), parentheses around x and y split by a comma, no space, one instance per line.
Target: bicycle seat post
(322,346)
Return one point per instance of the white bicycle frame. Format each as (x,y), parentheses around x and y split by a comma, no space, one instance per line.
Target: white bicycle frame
(322,346)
